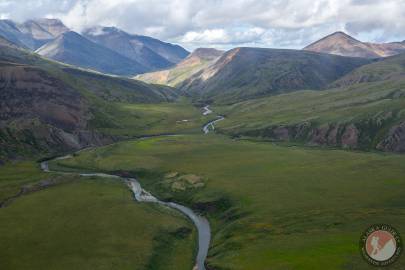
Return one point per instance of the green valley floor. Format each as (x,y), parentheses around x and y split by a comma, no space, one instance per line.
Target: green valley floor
(270,206)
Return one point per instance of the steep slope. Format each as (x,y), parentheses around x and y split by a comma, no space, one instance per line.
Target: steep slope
(244,73)
(365,112)
(196,61)
(152,53)
(8,44)
(10,31)
(171,52)
(340,43)
(39,110)
(46,107)
(72,48)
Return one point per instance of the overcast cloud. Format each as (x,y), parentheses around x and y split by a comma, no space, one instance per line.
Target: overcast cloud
(225,23)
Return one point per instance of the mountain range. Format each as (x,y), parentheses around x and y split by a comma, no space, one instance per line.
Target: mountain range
(74,49)
(48,105)
(32,33)
(151,53)
(244,73)
(104,49)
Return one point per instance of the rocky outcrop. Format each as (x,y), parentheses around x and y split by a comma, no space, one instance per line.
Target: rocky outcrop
(306,132)
(350,137)
(367,134)
(395,140)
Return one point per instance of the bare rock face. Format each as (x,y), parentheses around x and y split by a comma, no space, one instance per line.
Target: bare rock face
(329,134)
(350,137)
(395,140)
(281,133)
(319,135)
(333,134)
(359,135)
(301,130)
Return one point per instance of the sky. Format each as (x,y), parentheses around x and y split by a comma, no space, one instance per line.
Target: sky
(225,24)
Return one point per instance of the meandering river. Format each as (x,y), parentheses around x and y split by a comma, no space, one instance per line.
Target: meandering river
(210,126)
(141,195)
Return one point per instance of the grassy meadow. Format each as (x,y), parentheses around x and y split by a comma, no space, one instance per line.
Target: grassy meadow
(92,224)
(17,174)
(131,119)
(270,206)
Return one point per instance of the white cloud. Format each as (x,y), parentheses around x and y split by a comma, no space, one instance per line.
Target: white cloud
(225,23)
(223,37)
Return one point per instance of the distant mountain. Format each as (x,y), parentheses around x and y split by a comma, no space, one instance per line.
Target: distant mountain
(54,27)
(122,53)
(74,49)
(10,31)
(244,73)
(32,33)
(46,107)
(7,43)
(195,62)
(340,43)
(151,53)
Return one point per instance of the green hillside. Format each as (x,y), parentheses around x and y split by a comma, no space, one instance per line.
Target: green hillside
(366,112)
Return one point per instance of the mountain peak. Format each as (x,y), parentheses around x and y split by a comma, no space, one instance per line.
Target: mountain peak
(343,44)
(340,43)
(335,37)
(53,26)
(341,33)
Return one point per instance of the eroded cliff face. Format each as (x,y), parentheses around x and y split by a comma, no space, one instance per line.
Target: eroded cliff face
(363,135)
(40,113)
(395,140)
